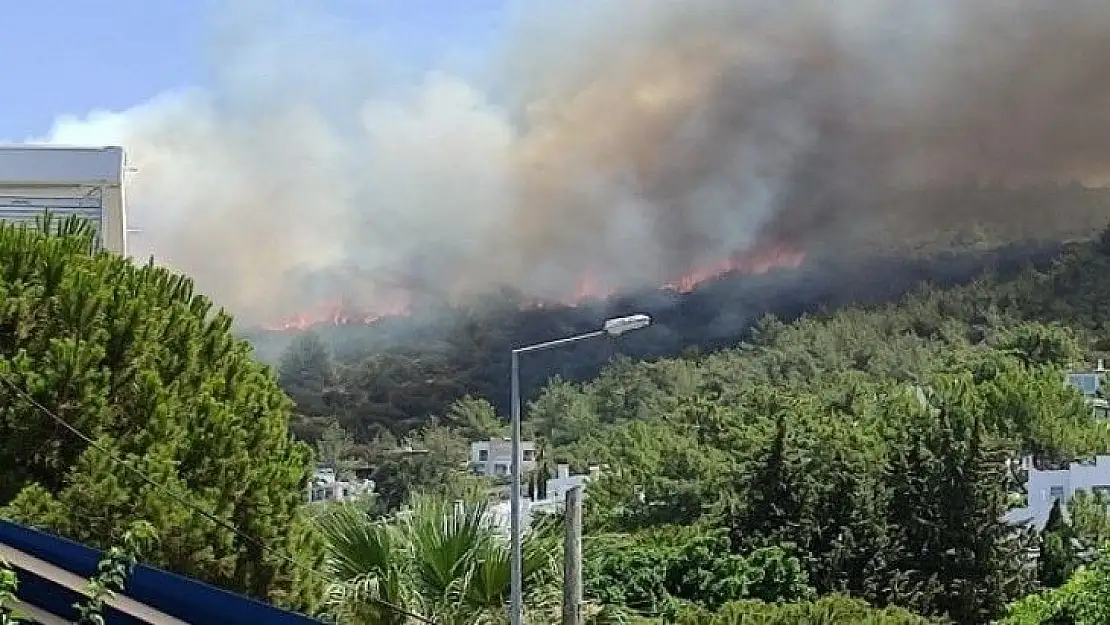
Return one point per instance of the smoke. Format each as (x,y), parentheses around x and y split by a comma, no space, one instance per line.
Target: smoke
(624,139)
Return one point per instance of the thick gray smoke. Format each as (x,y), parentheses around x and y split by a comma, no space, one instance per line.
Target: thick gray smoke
(631,140)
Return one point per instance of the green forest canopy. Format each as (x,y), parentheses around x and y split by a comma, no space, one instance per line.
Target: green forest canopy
(872,445)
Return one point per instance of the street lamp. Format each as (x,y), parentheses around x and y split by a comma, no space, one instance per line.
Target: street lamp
(612,327)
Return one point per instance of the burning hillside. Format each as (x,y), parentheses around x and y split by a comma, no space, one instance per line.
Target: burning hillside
(589,287)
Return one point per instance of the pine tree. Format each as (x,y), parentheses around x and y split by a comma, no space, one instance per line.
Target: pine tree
(305,373)
(1058,558)
(949,487)
(770,504)
(132,357)
(542,475)
(334,448)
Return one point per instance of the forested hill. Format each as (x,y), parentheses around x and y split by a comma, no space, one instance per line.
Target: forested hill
(396,374)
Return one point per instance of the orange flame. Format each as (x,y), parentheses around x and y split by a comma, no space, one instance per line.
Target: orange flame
(589,288)
(750,263)
(335,313)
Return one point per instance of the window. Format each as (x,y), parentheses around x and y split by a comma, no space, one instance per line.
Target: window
(500,469)
(1087,383)
(483,455)
(1102,490)
(529,455)
(1056,491)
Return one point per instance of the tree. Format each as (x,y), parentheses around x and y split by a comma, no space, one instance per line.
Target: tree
(772,503)
(1083,600)
(652,572)
(334,449)
(306,366)
(1038,344)
(1058,558)
(434,460)
(306,373)
(949,486)
(474,419)
(132,357)
(1089,518)
(442,559)
(828,610)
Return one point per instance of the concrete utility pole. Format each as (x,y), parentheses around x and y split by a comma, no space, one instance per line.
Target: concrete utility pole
(572,559)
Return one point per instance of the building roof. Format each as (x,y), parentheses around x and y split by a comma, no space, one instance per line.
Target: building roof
(50,570)
(60,165)
(1087,383)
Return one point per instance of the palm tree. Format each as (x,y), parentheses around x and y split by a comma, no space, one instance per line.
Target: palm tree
(367,567)
(442,559)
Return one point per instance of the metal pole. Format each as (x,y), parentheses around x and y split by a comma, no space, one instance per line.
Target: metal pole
(572,559)
(516,599)
(516,602)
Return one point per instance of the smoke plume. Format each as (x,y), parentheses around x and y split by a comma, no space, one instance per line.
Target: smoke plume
(625,139)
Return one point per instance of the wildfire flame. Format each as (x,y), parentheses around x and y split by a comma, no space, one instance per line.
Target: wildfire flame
(334,312)
(749,263)
(756,262)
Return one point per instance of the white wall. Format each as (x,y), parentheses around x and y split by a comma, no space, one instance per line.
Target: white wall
(563,481)
(554,503)
(82,181)
(498,456)
(1044,487)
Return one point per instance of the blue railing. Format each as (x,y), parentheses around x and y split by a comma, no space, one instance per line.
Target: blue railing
(186,599)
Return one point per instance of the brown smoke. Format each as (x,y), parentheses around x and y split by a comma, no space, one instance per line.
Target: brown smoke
(732,120)
(639,138)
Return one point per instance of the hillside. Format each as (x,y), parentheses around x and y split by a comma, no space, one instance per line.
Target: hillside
(872,444)
(861,448)
(395,374)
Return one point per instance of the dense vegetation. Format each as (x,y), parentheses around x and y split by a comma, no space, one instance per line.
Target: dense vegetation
(852,465)
(132,358)
(859,455)
(392,376)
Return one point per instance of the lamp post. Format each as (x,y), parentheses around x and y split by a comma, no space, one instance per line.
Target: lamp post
(612,327)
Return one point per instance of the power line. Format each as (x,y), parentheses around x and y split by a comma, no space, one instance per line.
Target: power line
(185,502)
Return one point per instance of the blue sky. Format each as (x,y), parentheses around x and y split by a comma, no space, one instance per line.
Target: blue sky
(61,57)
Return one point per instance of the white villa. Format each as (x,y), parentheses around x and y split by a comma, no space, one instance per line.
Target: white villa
(554,502)
(492,458)
(1044,487)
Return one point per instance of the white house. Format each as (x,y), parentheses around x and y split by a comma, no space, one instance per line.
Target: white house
(87,182)
(493,457)
(325,486)
(553,503)
(1044,487)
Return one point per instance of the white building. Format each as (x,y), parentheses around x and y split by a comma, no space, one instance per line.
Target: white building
(1089,385)
(553,503)
(325,486)
(1044,487)
(563,481)
(492,458)
(66,181)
